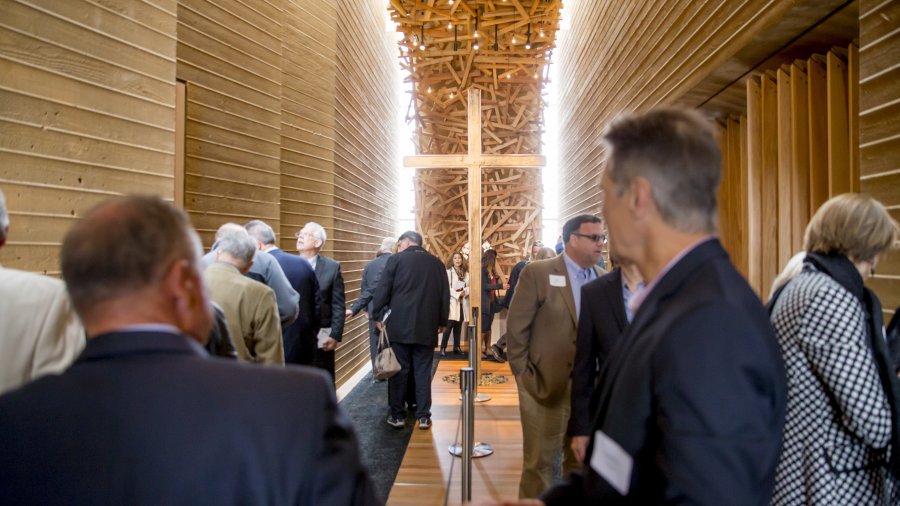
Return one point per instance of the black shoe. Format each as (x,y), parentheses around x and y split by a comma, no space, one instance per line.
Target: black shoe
(496,353)
(396,422)
(424,423)
(443,353)
(458,351)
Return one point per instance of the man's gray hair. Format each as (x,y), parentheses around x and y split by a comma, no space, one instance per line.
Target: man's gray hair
(239,245)
(387,245)
(261,231)
(227,228)
(4,216)
(317,231)
(677,151)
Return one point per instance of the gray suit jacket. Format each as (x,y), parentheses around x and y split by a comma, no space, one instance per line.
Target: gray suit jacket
(371,276)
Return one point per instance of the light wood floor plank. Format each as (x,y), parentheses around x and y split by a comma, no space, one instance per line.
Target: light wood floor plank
(426,466)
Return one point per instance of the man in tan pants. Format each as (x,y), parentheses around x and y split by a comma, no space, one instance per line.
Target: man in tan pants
(541,333)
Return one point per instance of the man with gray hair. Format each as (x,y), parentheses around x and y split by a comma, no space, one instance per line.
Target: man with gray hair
(691,402)
(267,271)
(371,276)
(310,240)
(40,334)
(299,337)
(249,306)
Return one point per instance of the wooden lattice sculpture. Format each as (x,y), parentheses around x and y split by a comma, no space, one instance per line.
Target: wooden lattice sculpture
(502,48)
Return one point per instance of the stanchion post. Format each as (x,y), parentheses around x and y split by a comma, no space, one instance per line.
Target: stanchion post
(467,384)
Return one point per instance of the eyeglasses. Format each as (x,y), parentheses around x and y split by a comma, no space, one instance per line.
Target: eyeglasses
(593,237)
(301,235)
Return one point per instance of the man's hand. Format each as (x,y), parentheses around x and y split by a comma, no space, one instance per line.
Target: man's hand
(379,326)
(579,447)
(348,314)
(441,329)
(329,344)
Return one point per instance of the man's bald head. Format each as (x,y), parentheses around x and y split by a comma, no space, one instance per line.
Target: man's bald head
(126,247)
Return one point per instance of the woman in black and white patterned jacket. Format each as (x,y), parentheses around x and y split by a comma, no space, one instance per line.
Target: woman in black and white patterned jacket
(841,429)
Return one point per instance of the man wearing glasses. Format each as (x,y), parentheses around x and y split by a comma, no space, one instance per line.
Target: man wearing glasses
(541,333)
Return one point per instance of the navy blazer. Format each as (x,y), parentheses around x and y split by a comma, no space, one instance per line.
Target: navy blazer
(600,325)
(150,418)
(414,286)
(303,331)
(331,289)
(694,394)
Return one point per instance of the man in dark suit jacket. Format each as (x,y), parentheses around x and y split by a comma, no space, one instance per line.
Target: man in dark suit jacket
(414,286)
(299,337)
(371,276)
(145,416)
(310,241)
(691,402)
(601,323)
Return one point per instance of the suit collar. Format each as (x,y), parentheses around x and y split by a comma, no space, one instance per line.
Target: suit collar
(615,287)
(139,342)
(673,279)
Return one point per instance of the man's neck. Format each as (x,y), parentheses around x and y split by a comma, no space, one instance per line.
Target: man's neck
(269,247)
(631,276)
(309,254)
(664,245)
(584,264)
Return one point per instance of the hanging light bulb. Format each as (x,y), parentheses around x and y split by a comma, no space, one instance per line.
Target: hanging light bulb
(508,75)
(450,2)
(429,88)
(514,38)
(450,25)
(451,95)
(528,39)
(528,45)
(422,38)
(476,45)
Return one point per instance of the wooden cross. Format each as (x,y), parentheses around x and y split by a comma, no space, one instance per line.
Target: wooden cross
(474,161)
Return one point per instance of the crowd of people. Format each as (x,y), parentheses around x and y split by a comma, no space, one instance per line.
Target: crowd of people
(154,374)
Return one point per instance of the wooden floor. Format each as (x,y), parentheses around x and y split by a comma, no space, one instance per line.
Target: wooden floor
(423,474)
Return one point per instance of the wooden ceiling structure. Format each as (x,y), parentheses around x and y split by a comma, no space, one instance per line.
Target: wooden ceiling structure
(503,48)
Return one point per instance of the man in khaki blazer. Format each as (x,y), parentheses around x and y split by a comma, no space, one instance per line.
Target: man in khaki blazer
(249,306)
(541,332)
(40,332)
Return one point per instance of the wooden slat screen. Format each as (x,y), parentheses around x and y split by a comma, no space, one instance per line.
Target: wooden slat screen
(799,146)
(86,111)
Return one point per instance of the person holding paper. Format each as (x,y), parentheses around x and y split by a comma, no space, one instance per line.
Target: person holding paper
(310,240)
(541,331)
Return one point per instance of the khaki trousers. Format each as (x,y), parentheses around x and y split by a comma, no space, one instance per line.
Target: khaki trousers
(544,441)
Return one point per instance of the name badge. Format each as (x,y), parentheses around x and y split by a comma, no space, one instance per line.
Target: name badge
(557,280)
(612,462)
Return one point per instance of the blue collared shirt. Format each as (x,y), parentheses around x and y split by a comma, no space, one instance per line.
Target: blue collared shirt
(578,277)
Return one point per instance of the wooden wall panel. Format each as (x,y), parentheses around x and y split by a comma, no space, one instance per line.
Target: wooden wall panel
(785,158)
(879,128)
(87,96)
(308,119)
(799,155)
(631,56)
(229,53)
(366,161)
(752,184)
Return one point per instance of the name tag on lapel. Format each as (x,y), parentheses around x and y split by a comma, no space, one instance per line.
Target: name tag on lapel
(612,462)
(557,280)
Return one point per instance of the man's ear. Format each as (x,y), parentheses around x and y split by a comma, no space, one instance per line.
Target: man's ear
(247,267)
(640,197)
(4,235)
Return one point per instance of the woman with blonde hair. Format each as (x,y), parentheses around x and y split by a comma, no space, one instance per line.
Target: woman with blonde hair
(841,433)
(458,277)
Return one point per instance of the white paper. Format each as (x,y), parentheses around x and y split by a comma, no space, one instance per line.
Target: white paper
(612,462)
(322,336)
(557,280)
(459,285)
